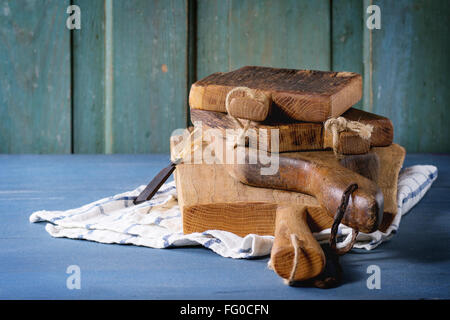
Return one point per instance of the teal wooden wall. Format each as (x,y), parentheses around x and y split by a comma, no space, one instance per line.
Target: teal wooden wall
(35,83)
(120,84)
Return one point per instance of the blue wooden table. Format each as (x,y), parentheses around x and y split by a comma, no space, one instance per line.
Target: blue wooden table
(415,264)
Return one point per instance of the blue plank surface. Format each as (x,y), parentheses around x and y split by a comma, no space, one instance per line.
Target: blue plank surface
(415,264)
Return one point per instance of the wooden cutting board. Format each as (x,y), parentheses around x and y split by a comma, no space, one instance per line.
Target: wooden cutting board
(390,162)
(210,198)
(301,136)
(304,95)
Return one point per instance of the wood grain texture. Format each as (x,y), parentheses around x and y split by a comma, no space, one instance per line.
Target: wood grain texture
(35,96)
(410,66)
(383,129)
(304,95)
(387,180)
(150,73)
(301,136)
(367,165)
(232,34)
(348,143)
(88,55)
(294,136)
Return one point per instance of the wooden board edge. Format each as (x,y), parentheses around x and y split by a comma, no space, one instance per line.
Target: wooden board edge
(347,97)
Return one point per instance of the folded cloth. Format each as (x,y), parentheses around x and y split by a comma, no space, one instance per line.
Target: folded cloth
(157,223)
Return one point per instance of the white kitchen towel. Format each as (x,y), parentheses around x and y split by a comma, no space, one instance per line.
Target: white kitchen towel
(157,223)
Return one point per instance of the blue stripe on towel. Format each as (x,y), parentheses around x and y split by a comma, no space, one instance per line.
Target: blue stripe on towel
(124,241)
(212,241)
(57,218)
(416,192)
(129,227)
(108,200)
(142,205)
(165,190)
(158,220)
(166,240)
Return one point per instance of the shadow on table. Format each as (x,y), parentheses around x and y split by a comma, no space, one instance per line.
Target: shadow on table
(422,238)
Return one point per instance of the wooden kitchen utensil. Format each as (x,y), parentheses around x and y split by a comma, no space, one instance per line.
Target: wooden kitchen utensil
(381,165)
(326,182)
(296,255)
(246,103)
(301,136)
(303,95)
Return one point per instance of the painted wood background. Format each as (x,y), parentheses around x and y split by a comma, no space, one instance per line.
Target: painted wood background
(120,84)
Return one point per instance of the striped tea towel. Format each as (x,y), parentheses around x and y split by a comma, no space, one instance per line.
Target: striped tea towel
(157,223)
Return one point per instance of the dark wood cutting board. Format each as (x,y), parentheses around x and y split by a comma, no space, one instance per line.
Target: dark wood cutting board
(304,95)
(301,136)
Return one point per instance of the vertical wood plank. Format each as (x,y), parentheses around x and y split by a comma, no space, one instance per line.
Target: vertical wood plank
(191,61)
(35,96)
(410,69)
(109,76)
(88,56)
(347,37)
(213,36)
(286,33)
(150,74)
(367,61)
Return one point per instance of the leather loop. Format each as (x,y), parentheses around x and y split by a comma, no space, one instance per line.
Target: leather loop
(337,221)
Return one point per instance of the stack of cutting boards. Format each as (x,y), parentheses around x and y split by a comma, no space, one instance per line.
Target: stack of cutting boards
(234,198)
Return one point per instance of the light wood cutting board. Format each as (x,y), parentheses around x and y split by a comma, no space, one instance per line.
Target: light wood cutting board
(210,198)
